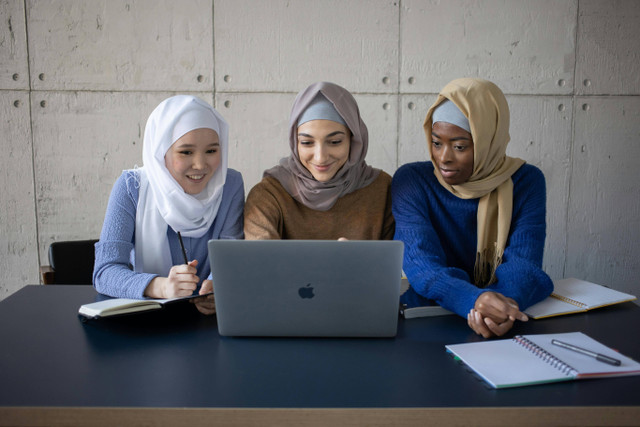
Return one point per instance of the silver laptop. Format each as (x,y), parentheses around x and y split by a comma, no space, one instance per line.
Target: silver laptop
(307,288)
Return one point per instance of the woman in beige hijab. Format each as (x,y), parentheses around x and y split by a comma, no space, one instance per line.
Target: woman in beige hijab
(324,189)
(472,219)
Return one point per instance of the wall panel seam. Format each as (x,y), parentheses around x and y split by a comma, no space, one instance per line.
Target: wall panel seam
(571,141)
(31,140)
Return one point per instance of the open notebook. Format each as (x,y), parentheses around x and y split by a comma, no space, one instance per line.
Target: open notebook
(117,306)
(576,296)
(532,359)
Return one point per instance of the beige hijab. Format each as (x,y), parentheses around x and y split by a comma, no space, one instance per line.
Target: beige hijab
(486,108)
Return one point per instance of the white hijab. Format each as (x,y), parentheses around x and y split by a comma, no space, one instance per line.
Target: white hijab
(162,201)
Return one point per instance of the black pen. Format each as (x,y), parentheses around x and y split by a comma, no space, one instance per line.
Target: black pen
(184,253)
(597,356)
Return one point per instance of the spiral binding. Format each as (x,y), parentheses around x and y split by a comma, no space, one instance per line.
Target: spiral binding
(569,300)
(545,355)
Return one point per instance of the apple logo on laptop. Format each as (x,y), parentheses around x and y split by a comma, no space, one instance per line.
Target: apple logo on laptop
(306,291)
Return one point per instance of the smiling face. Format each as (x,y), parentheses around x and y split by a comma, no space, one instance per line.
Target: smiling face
(452,152)
(323,147)
(193,159)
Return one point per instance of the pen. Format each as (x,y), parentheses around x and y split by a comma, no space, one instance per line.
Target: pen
(597,356)
(184,253)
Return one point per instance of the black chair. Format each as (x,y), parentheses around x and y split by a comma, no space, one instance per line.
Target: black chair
(70,263)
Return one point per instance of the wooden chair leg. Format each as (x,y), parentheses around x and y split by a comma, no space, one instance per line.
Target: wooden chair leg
(47,275)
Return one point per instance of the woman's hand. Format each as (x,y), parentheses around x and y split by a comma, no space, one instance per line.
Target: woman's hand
(494,315)
(485,326)
(182,281)
(498,307)
(206,304)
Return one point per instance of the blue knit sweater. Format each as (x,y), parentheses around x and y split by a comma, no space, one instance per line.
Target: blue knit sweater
(440,235)
(115,250)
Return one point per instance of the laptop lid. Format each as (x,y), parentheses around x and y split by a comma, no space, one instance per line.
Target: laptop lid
(312,288)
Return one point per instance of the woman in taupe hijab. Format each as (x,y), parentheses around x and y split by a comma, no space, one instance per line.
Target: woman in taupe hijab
(324,189)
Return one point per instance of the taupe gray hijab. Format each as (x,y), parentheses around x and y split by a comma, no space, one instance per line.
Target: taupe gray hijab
(355,173)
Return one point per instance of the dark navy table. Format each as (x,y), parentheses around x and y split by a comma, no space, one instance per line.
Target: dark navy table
(170,367)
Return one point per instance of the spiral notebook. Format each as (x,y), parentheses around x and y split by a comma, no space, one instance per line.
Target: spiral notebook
(576,296)
(532,359)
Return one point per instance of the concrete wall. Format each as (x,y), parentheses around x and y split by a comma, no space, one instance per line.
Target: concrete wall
(78,80)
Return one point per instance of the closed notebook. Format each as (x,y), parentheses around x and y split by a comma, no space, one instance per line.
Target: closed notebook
(424,311)
(431,310)
(576,296)
(532,359)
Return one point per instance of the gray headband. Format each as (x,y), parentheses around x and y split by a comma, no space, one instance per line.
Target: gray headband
(448,112)
(321,109)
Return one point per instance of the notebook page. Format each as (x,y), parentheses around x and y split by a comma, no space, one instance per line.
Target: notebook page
(590,294)
(505,363)
(551,307)
(124,305)
(585,365)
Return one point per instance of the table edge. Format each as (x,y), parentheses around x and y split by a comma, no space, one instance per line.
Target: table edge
(489,416)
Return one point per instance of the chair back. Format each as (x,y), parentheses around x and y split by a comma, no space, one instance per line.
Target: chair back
(72,261)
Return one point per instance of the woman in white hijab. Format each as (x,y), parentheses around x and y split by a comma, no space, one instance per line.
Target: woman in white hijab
(184,187)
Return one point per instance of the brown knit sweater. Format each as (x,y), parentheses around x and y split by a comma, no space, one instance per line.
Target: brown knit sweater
(271,213)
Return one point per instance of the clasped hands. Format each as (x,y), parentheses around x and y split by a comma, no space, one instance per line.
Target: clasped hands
(494,314)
